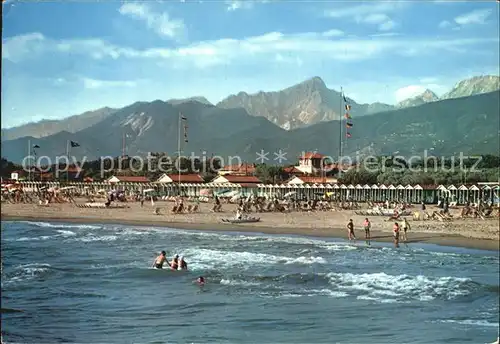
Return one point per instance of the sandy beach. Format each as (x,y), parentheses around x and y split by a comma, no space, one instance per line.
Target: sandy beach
(471,233)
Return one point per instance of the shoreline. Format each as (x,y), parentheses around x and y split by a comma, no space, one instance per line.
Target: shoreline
(414,236)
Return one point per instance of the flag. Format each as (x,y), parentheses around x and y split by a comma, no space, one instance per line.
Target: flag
(185,133)
(74,144)
(347,107)
(36,146)
(183,118)
(349,125)
(348,134)
(345,99)
(347,116)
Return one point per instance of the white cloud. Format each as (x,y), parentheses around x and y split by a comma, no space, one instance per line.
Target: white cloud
(444,24)
(365,9)
(95,83)
(386,26)
(474,17)
(409,92)
(369,13)
(333,33)
(289,59)
(239,5)
(224,51)
(161,23)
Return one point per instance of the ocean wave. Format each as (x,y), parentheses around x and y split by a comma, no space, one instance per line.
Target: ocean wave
(218,258)
(472,322)
(92,238)
(381,286)
(25,272)
(302,293)
(238,283)
(57,225)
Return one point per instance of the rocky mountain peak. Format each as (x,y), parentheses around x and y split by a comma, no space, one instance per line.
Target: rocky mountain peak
(425,97)
(473,86)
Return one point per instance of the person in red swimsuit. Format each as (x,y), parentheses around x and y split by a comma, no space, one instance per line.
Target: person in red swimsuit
(395,230)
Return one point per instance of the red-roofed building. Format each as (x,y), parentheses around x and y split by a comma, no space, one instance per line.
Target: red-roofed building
(228,178)
(293,170)
(127,179)
(243,169)
(183,178)
(312,163)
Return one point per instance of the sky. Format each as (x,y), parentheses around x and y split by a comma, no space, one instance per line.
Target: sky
(64,58)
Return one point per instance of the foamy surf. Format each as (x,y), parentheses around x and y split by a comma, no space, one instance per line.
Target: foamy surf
(60,225)
(381,286)
(223,259)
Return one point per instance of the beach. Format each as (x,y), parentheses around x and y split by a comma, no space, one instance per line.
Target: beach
(470,233)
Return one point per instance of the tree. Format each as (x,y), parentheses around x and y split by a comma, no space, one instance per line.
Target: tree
(358,177)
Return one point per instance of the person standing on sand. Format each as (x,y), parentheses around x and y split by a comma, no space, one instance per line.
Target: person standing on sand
(395,230)
(367,225)
(406,227)
(350,230)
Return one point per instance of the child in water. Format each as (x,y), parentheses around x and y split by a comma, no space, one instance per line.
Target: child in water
(201,281)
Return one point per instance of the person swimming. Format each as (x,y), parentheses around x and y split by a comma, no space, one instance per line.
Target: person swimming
(160,260)
(183,264)
(201,281)
(175,262)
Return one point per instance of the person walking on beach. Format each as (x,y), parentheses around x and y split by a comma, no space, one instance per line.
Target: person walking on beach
(395,230)
(406,227)
(350,230)
(367,225)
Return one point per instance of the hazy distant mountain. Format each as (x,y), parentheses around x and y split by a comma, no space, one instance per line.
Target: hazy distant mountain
(306,103)
(426,97)
(473,86)
(467,124)
(200,99)
(48,127)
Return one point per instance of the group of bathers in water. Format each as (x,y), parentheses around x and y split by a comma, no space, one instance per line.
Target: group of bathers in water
(175,264)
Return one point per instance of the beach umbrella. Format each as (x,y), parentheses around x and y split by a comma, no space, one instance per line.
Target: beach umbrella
(291,193)
(205,192)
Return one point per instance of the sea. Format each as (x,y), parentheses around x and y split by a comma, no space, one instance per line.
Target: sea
(82,283)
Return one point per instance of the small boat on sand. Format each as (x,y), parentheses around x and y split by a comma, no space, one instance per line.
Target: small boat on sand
(242,220)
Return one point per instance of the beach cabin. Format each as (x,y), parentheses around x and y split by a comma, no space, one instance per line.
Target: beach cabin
(400,193)
(408,194)
(375,193)
(189,185)
(417,193)
(453,193)
(245,184)
(475,194)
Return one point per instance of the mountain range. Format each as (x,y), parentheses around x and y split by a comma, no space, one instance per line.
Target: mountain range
(468,124)
(298,106)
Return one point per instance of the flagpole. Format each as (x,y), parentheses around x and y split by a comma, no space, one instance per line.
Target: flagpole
(29,156)
(340,129)
(67,156)
(340,122)
(179,155)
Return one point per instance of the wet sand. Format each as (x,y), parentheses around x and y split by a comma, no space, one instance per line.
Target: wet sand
(470,233)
